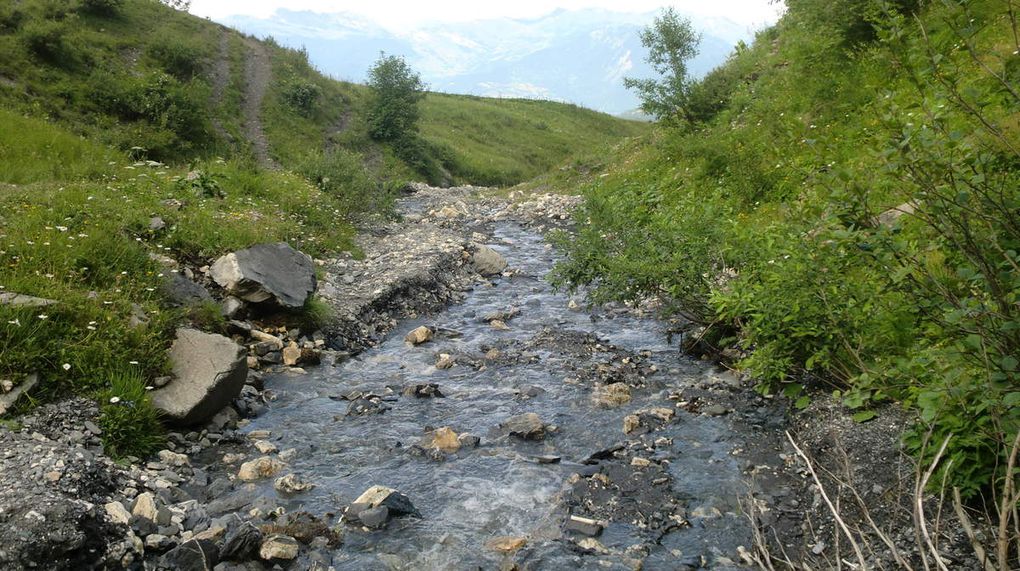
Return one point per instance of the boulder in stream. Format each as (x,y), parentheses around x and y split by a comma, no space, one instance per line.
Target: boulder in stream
(267,273)
(419,335)
(210,371)
(487,261)
(368,505)
(527,426)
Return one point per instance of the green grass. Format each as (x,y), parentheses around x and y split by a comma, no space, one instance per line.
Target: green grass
(761,222)
(507,141)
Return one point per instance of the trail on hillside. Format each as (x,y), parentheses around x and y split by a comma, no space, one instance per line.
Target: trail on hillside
(257,74)
(220,78)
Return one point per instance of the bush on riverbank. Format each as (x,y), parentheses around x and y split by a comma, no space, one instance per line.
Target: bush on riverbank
(850,212)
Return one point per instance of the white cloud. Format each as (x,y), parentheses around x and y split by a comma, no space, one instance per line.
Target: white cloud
(401,15)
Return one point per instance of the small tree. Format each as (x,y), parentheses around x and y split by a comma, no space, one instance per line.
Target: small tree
(671,42)
(397,89)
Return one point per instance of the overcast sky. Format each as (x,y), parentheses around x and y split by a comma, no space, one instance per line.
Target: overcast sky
(401,15)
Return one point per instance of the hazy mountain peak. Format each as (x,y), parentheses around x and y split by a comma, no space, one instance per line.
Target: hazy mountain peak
(579,56)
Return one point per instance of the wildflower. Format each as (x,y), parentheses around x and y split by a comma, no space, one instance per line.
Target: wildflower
(132,362)
(15,322)
(114,400)
(66,366)
(43,316)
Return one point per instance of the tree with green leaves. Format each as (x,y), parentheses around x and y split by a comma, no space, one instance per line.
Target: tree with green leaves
(396,90)
(671,42)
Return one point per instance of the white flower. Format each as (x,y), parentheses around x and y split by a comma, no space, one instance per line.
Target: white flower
(66,366)
(114,400)
(43,316)
(15,322)
(133,362)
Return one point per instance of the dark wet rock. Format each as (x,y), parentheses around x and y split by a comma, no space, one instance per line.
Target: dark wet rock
(375,518)
(583,526)
(428,390)
(267,273)
(193,555)
(469,440)
(621,492)
(180,291)
(603,454)
(531,391)
(395,503)
(210,372)
(503,315)
(527,426)
(487,261)
(303,527)
(241,543)
(367,406)
(647,420)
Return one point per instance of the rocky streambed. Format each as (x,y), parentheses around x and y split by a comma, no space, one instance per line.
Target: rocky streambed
(464,416)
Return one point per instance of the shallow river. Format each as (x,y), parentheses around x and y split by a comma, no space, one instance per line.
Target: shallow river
(498,488)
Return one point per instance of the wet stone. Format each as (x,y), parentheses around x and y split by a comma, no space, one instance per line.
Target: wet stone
(429,390)
(527,426)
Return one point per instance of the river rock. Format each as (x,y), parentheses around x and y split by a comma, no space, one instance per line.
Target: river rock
(423,391)
(527,426)
(291,354)
(487,261)
(267,273)
(443,439)
(611,395)
(145,507)
(230,307)
(241,542)
(291,484)
(260,468)
(193,555)
(210,371)
(445,361)
(419,335)
(506,544)
(118,513)
(279,547)
(396,504)
(583,526)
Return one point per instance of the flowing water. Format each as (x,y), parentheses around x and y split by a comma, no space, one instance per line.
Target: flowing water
(498,488)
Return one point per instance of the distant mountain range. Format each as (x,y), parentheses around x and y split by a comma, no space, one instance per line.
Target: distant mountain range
(578,56)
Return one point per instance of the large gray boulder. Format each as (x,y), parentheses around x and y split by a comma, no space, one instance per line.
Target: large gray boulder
(267,272)
(487,261)
(209,371)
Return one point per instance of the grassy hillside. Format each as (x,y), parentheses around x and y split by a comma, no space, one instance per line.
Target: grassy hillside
(845,211)
(172,87)
(114,114)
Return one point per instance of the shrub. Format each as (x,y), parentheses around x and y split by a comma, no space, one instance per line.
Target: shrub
(396,92)
(301,96)
(46,40)
(342,174)
(178,57)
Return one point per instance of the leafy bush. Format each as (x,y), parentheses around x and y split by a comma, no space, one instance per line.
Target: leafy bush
(301,96)
(177,56)
(47,40)
(396,91)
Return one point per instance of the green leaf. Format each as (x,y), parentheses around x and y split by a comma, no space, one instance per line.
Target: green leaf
(1009,363)
(804,401)
(864,416)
